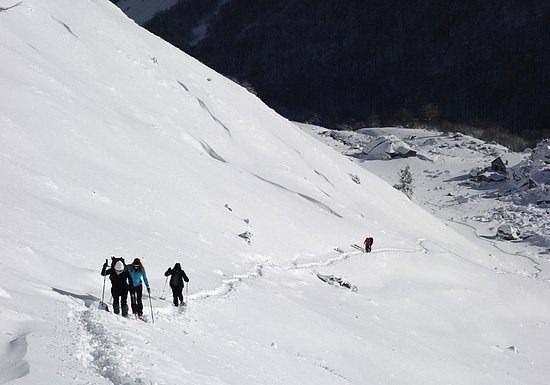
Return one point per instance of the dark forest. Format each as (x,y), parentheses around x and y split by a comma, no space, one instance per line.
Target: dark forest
(359,63)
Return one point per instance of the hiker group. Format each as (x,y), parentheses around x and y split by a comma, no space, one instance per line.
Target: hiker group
(131,279)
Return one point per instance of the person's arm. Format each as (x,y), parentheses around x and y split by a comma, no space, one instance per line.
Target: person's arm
(185,278)
(104,269)
(130,280)
(168,272)
(146,280)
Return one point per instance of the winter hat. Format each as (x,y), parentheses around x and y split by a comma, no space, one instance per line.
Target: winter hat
(119,266)
(136,262)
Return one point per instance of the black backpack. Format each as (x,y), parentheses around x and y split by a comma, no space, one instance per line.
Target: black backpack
(114,260)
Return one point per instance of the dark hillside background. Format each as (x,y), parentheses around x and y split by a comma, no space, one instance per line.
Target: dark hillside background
(364,62)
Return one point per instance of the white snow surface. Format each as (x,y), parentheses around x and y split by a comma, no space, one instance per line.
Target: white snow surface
(113,142)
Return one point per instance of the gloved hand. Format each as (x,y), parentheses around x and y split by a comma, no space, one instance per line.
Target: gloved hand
(149,290)
(105,265)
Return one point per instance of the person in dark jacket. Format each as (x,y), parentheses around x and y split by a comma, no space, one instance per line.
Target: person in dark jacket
(177,278)
(121,281)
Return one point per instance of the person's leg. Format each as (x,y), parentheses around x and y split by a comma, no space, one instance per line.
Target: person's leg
(116,298)
(175,294)
(133,302)
(139,294)
(124,302)
(179,293)
(178,297)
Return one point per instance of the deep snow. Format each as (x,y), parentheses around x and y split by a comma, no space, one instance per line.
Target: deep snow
(115,143)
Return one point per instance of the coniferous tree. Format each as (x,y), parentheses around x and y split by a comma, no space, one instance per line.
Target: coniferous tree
(405,184)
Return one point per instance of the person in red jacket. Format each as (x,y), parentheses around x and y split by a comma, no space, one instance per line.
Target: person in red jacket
(368,244)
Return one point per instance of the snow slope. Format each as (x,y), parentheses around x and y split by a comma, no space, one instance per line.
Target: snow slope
(444,186)
(115,143)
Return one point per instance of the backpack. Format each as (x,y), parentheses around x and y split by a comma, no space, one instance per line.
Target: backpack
(114,260)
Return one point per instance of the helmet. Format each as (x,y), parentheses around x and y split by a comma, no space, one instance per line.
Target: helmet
(119,266)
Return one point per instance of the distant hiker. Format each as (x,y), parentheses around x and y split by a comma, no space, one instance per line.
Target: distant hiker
(368,244)
(137,271)
(176,282)
(121,281)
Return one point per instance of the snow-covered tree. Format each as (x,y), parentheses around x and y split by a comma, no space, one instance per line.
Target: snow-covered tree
(405,182)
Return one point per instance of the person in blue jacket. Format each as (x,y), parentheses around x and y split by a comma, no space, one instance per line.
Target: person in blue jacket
(138,274)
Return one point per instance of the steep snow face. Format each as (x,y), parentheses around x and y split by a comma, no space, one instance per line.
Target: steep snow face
(109,129)
(112,142)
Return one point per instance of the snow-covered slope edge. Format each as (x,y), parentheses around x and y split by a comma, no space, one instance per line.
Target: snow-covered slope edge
(114,142)
(142,11)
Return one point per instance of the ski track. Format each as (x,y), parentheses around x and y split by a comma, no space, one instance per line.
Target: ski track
(333,372)
(106,352)
(230,285)
(102,350)
(536,264)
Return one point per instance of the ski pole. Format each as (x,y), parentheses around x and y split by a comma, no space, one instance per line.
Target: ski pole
(103,292)
(187,293)
(162,295)
(102,304)
(151,304)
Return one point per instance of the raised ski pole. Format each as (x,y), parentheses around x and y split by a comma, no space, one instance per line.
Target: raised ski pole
(162,295)
(151,304)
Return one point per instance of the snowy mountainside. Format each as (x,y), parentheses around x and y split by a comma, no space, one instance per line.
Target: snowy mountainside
(443,182)
(116,143)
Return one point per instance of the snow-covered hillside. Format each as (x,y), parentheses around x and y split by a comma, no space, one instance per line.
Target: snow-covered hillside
(115,143)
(453,179)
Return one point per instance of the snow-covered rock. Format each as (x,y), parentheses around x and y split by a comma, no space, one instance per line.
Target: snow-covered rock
(388,147)
(508,232)
(542,151)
